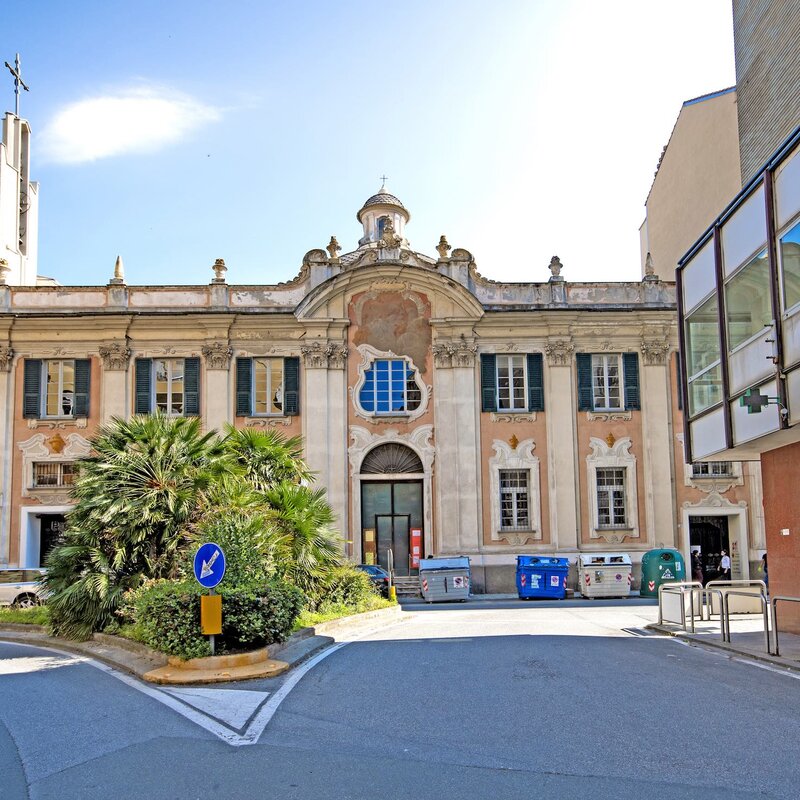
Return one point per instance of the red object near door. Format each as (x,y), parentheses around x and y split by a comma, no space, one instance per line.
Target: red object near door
(416,547)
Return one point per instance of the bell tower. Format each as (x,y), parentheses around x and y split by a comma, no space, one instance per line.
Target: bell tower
(383,217)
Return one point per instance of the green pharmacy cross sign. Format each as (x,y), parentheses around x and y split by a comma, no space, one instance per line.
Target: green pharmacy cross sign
(754,401)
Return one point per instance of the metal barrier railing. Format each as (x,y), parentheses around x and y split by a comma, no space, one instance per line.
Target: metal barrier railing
(727,617)
(724,624)
(775,600)
(679,588)
(738,582)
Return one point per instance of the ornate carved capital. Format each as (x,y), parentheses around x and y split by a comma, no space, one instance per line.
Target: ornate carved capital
(115,355)
(217,355)
(6,357)
(460,353)
(559,352)
(654,351)
(324,355)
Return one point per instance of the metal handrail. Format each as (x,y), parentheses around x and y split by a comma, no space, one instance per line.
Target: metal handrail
(727,615)
(722,623)
(774,601)
(737,582)
(679,587)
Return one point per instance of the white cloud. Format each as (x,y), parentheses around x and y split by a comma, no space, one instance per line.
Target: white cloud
(128,121)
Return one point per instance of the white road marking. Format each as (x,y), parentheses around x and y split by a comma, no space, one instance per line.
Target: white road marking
(234,707)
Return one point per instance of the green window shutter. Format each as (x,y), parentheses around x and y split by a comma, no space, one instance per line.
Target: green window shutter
(488,382)
(630,370)
(244,387)
(144,373)
(83,374)
(584,365)
(291,386)
(191,387)
(535,382)
(31,392)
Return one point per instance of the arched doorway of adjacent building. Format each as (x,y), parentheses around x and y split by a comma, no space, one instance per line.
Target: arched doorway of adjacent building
(392,507)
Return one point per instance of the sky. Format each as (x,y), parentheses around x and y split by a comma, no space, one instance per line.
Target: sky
(174,133)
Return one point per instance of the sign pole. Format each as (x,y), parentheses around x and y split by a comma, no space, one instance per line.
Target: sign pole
(211,636)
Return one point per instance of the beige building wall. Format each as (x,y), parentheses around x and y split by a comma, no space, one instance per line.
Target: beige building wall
(697,176)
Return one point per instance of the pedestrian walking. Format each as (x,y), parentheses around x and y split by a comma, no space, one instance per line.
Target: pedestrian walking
(725,567)
(764,569)
(697,568)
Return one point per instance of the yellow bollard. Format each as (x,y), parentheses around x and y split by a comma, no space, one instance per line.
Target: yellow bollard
(393,593)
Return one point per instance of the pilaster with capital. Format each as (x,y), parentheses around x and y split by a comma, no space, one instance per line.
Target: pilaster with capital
(116,359)
(6,421)
(217,355)
(659,500)
(561,419)
(456,416)
(324,355)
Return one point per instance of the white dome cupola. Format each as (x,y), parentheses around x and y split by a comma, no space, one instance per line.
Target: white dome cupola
(381,215)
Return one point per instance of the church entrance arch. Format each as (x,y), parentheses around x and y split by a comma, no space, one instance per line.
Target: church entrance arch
(391,506)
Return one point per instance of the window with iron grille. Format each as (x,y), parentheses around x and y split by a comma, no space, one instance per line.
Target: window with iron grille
(514,509)
(53,474)
(611,512)
(713,469)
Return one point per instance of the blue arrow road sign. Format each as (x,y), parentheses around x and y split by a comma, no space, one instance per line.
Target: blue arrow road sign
(209,565)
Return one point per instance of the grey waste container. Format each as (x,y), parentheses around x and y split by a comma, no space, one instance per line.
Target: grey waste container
(442,579)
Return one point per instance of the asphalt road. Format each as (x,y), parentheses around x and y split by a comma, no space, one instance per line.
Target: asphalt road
(482,700)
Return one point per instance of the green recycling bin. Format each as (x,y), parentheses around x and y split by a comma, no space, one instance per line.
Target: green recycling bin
(664,565)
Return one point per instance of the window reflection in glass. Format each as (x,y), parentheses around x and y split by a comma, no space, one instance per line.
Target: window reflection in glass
(606,389)
(705,390)
(168,381)
(389,388)
(790,266)
(60,391)
(268,385)
(702,337)
(748,303)
(511,383)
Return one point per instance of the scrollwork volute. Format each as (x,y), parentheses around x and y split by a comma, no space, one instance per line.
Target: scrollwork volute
(654,352)
(218,355)
(115,356)
(6,357)
(324,355)
(559,352)
(459,353)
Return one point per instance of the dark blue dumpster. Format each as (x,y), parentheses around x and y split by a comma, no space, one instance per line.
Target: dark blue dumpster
(542,576)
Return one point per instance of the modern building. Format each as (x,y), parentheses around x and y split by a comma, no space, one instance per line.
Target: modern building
(445,413)
(739,301)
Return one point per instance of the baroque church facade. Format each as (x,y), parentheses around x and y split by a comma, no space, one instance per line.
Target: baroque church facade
(444,413)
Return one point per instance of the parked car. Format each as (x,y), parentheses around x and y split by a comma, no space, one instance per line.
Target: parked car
(20,587)
(378,575)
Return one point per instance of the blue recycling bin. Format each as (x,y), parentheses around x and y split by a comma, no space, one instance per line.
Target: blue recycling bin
(542,576)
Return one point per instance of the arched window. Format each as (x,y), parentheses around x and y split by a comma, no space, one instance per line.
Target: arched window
(391,458)
(381,226)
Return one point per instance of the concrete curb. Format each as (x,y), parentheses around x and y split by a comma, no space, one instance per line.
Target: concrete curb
(763,658)
(139,660)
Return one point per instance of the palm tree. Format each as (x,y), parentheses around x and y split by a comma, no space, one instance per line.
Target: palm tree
(135,498)
(308,547)
(266,457)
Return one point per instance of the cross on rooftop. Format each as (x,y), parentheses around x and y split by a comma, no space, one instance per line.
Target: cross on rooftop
(383,179)
(16,71)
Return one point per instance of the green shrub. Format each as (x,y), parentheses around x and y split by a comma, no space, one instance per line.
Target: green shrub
(341,586)
(255,616)
(165,615)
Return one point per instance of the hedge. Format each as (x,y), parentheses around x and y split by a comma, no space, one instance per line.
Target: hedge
(166,616)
